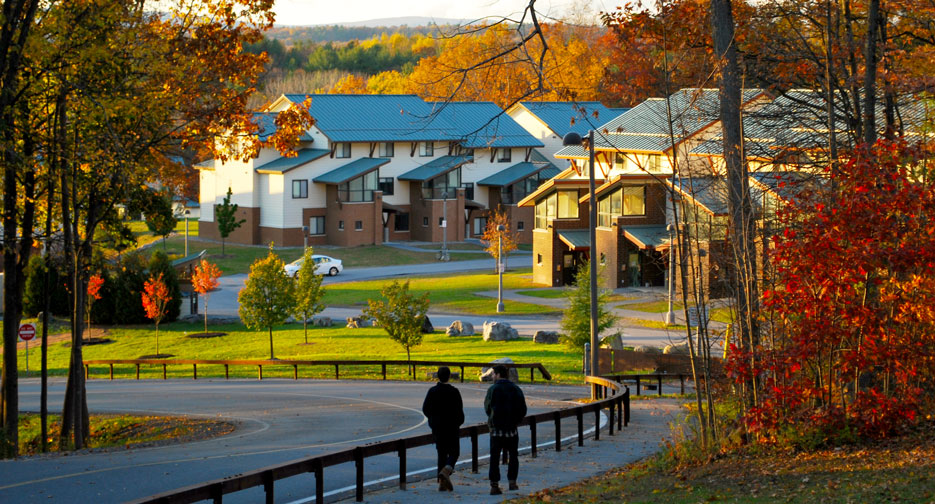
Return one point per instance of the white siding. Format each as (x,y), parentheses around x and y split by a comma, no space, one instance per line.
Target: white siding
(270,190)
(207,194)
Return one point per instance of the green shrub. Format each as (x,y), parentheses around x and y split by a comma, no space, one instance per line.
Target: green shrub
(34,293)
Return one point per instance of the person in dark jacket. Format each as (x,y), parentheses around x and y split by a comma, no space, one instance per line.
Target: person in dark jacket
(505,405)
(445,412)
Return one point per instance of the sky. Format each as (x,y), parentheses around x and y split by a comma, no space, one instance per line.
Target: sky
(311,12)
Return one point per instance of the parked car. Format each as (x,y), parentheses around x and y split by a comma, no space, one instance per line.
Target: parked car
(324,265)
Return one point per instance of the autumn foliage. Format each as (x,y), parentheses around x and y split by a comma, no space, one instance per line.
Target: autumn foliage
(205,280)
(853,350)
(155,298)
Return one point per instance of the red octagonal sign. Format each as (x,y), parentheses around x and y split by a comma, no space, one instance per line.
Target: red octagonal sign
(27,332)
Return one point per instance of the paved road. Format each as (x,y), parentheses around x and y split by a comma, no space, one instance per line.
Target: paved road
(279,421)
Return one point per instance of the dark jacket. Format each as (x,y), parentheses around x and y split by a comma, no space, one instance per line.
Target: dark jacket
(505,405)
(443,407)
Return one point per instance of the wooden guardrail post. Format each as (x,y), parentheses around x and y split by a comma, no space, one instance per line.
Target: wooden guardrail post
(557,417)
(474,450)
(319,481)
(137,370)
(259,371)
(637,384)
(384,371)
(337,374)
(87,371)
(597,423)
(659,381)
(111,371)
(194,371)
(227,375)
(268,487)
(401,452)
(462,374)
(626,408)
(295,371)
(217,493)
(619,405)
(610,423)
(681,383)
(532,438)
(579,415)
(359,465)
(164,371)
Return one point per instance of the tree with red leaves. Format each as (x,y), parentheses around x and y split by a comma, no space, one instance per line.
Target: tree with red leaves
(205,280)
(94,293)
(854,350)
(155,299)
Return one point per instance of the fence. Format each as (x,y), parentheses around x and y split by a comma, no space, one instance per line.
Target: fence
(618,406)
(296,363)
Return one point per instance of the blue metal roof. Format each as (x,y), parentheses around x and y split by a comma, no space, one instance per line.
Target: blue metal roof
(576,239)
(266,124)
(511,175)
(647,236)
(284,164)
(350,171)
(375,118)
(480,125)
(434,168)
(550,170)
(565,117)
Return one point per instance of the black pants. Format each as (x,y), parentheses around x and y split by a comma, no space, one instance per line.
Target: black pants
(511,446)
(448,446)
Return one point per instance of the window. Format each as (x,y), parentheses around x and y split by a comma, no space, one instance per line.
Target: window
(425,222)
(342,150)
(468,190)
(442,186)
(427,149)
(608,208)
(316,225)
(560,204)
(603,259)
(503,155)
(653,163)
(386,149)
(620,161)
(539,259)
(340,225)
(358,225)
(634,200)
(513,193)
(567,205)
(520,226)
(359,189)
(386,185)
(480,225)
(401,223)
(441,222)
(299,189)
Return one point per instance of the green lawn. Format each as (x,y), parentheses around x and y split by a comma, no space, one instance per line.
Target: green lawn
(329,343)
(453,294)
(546,293)
(717,314)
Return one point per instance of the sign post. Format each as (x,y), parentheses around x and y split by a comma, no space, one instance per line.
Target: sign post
(26,333)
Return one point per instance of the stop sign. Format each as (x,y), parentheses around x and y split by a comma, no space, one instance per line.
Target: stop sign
(27,332)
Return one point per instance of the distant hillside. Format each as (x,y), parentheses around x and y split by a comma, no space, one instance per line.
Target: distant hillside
(361,30)
(406,21)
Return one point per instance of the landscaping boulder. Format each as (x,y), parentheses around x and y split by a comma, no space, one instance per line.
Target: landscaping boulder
(459,328)
(499,331)
(486,374)
(677,349)
(322,321)
(427,326)
(545,337)
(646,349)
(614,342)
(455,375)
(358,322)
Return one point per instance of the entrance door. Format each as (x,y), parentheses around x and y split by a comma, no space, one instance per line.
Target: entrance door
(633,267)
(570,261)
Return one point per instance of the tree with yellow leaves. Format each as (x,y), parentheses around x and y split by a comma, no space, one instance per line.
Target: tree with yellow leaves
(500,242)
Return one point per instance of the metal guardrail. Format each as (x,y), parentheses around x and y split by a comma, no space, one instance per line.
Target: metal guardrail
(618,406)
(296,363)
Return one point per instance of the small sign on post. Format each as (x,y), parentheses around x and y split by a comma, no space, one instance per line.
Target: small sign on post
(27,332)
(693,316)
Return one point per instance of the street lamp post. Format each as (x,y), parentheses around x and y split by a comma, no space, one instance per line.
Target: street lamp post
(444,226)
(573,138)
(500,230)
(670,315)
(304,238)
(187,213)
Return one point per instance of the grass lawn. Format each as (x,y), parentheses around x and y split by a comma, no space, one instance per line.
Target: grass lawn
(651,324)
(337,342)
(661,306)
(109,431)
(447,293)
(546,293)
(901,470)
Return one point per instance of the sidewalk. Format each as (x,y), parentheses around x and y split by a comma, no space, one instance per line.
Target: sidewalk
(649,426)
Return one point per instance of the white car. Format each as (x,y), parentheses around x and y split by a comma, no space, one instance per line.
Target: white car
(324,265)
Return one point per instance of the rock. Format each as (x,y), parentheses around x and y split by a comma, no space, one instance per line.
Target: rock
(459,328)
(614,342)
(358,322)
(486,374)
(455,375)
(677,349)
(453,330)
(427,326)
(322,321)
(499,331)
(545,337)
(646,349)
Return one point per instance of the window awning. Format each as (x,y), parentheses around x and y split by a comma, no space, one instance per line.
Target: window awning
(350,171)
(434,168)
(473,205)
(511,175)
(576,239)
(284,164)
(647,237)
(388,208)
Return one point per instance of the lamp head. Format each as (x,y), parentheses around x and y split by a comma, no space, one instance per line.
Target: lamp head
(501,228)
(571,138)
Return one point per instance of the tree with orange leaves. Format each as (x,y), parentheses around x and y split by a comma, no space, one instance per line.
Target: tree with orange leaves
(94,293)
(493,236)
(156,297)
(205,280)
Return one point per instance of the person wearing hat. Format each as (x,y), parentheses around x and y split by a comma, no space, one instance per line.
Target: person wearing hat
(445,413)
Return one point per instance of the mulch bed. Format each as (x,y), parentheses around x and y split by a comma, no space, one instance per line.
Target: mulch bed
(156,356)
(206,335)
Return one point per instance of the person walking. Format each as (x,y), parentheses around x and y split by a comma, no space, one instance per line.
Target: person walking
(445,412)
(505,405)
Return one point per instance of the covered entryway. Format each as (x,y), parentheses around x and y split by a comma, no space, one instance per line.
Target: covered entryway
(578,243)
